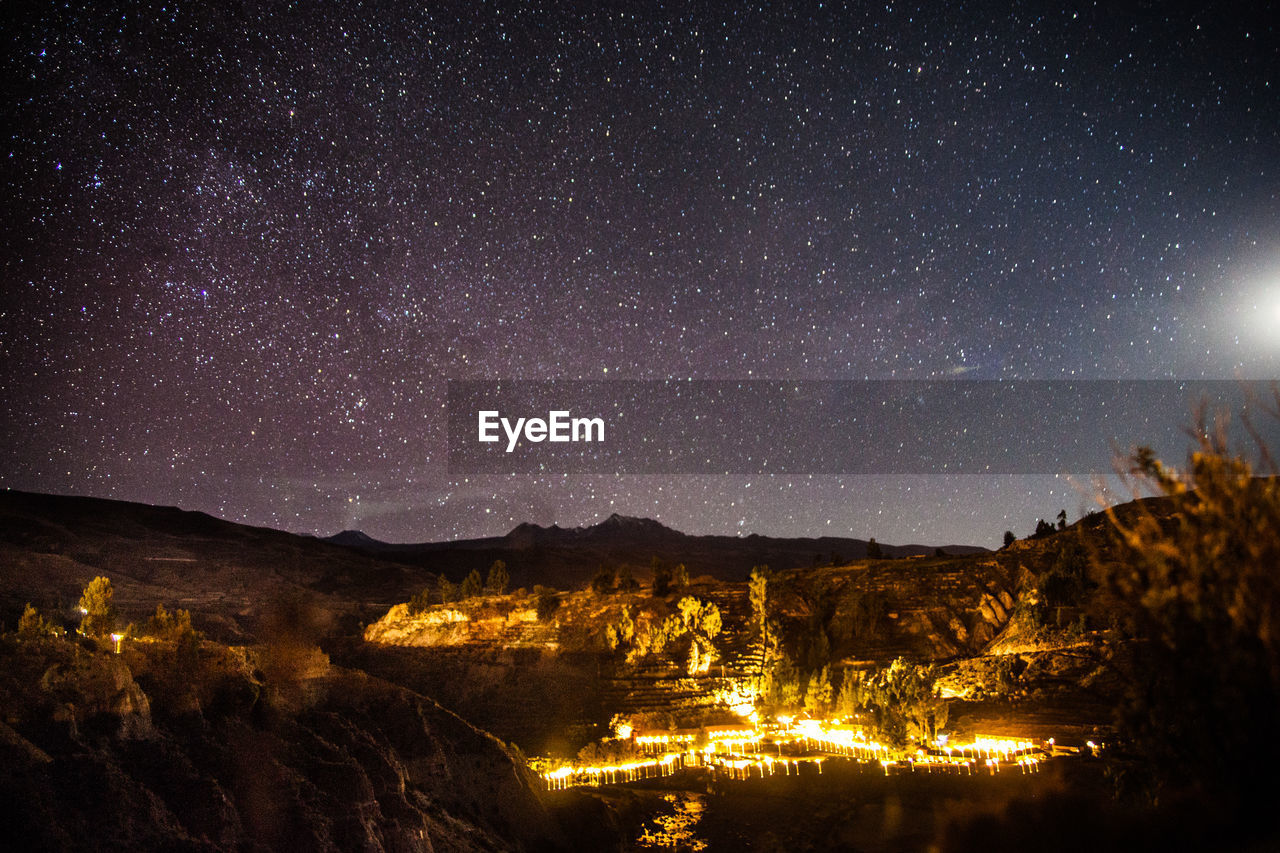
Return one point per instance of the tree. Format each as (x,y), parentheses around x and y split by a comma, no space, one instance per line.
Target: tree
(627,626)
(97,604)
(498,578)
(874,551)
(622,634)
(701,656)
(1009,538)
(819,697)
(661,579)
(702,621)
(176,628)
(680,576)
(782,686)
(815,648)
(690,611)
(164,625)
(710,622)
(472,585)
(849,699)
(33,626)
(603,580)
(1063,585)
(447,590)
(1200,592)
(626,583)
(904,701)
(1062,519)
(758,592)
(548,601)
(420,602)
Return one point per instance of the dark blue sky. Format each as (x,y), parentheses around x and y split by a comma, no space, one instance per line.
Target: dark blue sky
(246,247)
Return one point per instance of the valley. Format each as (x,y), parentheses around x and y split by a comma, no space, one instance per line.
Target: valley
(676,694)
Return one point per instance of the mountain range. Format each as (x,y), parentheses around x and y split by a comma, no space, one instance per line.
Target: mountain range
(567,557)
(52,545)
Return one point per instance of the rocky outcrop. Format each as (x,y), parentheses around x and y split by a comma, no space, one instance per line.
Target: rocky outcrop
(500,623)
(360,765)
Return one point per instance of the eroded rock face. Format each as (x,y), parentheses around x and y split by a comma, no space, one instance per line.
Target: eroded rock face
(514,624)
(362,765)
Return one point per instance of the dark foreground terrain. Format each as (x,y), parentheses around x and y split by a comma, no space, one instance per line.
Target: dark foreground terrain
(245,749)
(326,696)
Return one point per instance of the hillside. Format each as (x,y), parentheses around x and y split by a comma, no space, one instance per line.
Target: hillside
(343,698)
(569,557)
(532,673)
(226,574)
(232,751)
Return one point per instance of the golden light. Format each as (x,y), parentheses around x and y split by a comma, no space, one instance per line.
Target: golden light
(810,728)
(738,753)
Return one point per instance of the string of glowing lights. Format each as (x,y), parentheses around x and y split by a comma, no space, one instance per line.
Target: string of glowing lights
(744,753)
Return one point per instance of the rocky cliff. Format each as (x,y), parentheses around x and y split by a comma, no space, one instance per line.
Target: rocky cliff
(108,752)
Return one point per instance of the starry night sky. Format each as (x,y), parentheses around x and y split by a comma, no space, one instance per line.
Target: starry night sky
(245,248)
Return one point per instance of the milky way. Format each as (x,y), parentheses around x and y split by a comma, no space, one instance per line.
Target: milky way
(246,248)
